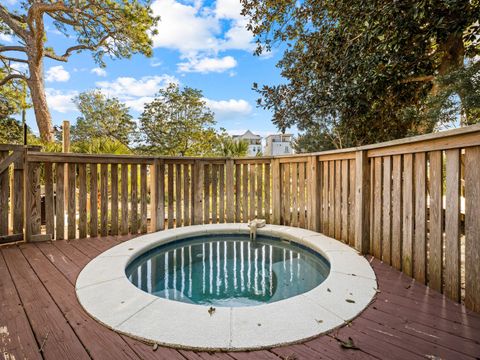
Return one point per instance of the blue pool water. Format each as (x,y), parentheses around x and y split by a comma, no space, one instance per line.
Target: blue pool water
(228,270)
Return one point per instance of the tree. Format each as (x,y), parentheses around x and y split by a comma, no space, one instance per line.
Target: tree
(12,97)
(233,148)
(114,28)
(456,101)
(312,140)
(12,101)
(179,123)
(102,117)
(101,146)
(11,131)
(357,69)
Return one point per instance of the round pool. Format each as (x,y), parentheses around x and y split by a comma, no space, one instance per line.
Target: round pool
(208,287)
(228,270)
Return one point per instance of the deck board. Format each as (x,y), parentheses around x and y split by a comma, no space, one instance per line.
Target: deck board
(14,321)
(48,324)
(100,342)
(37,294)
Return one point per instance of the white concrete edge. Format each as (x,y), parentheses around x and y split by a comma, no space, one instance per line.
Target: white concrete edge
(104,291)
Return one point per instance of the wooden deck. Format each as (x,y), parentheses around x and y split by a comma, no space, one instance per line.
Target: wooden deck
(40,317)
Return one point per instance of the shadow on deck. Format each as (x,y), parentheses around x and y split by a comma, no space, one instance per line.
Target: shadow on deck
(40,317)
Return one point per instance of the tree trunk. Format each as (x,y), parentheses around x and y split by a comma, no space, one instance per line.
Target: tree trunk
(453,52)
(39,100)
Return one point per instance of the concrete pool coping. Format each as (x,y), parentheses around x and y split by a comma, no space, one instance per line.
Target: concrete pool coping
(106,294)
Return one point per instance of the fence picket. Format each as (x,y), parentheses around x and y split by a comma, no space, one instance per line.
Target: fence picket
(71,201)
(435,277)
(420,218)
(114,201)
(452,225)
(386,210)
(82,201)
(408,215)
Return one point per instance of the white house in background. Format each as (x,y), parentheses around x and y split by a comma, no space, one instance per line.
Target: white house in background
(254,142)
(278,144)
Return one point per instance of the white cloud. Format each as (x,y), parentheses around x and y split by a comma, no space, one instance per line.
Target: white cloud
(229,109)
(185,27)
(19,67)
(201,32)
(60,100)
(138,104)
(128,87)
(99,72)
(57,73)
(238,37)
(154,62)
(207,65)
(135,93)
(6,37)
(228,9)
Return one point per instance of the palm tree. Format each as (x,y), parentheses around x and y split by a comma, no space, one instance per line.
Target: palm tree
(101,146)
(234,148)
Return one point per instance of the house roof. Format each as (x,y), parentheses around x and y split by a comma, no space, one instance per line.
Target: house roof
(248,135)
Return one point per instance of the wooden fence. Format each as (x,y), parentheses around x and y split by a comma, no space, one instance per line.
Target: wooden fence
(414,203)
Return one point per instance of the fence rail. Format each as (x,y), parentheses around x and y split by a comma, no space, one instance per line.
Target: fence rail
(414,203)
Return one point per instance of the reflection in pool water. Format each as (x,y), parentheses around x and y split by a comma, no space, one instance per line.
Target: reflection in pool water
(228,270)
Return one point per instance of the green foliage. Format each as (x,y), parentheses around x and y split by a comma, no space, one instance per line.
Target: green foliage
(12,101)
(127,25)
(12,97)
(117,28)
(101,146)
(457,101)
(313,140)
(47,146)
(11,131)
(89,146)
(178,122)
(233,148)
(354,67)
(102,117)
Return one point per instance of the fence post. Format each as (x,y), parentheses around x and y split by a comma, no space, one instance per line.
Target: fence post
(472,228)
(276,192)
(18,169)
(4,194)
(32,201)
(362,202)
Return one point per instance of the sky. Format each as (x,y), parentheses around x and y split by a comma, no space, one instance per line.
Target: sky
(201,44)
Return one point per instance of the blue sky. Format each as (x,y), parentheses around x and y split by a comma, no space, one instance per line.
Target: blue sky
(201,44)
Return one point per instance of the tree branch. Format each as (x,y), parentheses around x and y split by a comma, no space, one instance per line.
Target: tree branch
(63,19)
(13,48)
(71,49)
(47,8)
(14,59)
(12,22)
(10,77)
(423,78)
(50,54)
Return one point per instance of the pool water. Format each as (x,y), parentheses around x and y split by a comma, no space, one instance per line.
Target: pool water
(228,270)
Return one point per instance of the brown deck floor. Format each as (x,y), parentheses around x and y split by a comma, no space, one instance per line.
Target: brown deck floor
(40,317)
